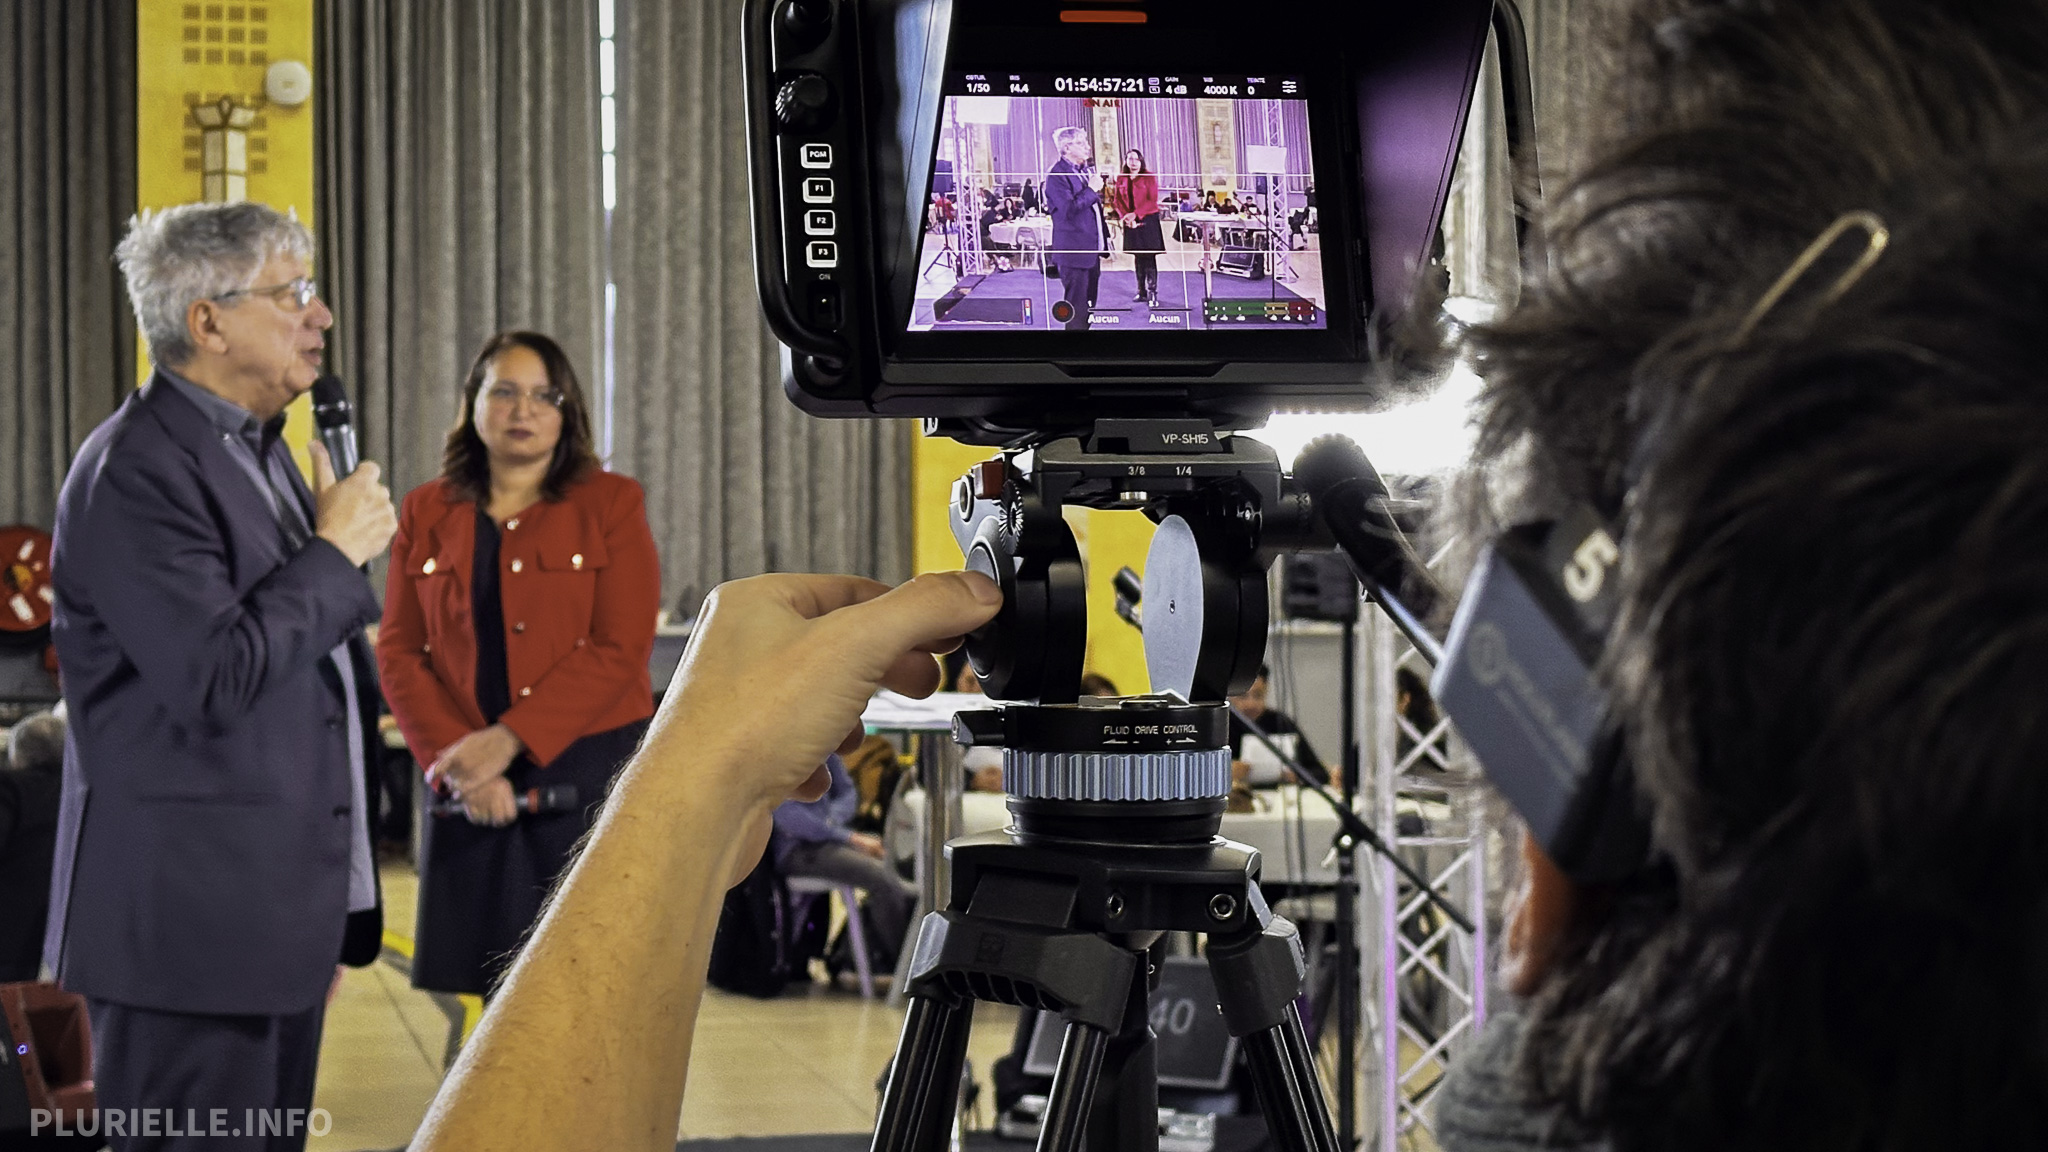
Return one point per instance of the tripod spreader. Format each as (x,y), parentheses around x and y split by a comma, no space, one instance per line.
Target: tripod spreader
(1075,928)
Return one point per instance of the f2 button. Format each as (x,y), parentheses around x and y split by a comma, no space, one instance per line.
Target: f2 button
(819,222)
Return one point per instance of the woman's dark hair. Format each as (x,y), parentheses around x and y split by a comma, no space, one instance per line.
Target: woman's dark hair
(1143,168)
(466,465)
(1835,581)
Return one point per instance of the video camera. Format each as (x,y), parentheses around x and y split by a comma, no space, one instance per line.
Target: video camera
(920,228)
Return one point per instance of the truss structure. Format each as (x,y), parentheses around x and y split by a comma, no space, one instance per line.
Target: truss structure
(1424,978)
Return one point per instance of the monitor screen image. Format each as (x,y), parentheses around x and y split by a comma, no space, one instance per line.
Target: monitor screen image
(1108,204)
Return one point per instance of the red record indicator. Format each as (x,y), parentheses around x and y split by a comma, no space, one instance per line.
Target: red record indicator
(25,593)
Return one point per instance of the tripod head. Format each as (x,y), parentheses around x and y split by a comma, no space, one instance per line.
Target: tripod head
(1150,767)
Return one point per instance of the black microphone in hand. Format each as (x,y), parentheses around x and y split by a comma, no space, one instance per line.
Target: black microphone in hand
(333,418)
(1349,496)
(532,802)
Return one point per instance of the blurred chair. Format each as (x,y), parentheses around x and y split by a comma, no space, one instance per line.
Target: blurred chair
(810,887)
(50,1053)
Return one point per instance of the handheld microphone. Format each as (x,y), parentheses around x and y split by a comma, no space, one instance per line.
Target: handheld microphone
(532,802)
(1349,496)
(332,417)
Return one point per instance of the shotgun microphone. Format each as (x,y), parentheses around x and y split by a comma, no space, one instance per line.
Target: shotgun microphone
(1349,496)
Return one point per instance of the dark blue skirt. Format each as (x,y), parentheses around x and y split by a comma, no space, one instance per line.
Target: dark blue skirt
(481,888)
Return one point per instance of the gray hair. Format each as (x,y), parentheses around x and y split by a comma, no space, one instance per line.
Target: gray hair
(176,257)
(36,744)
(1065,136)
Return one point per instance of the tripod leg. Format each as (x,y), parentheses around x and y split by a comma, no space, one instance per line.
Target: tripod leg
(1073,1088)
(1290,1093)
(919,1074)
(941,1101)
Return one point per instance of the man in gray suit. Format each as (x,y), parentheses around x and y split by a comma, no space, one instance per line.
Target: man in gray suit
(213,854)
(1073,197)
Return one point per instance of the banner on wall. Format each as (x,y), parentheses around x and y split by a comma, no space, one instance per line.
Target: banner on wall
(1109,153)
(1216,129)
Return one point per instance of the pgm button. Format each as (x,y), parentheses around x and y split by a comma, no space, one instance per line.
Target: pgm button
(820,222)
(816,156)
(822,254)
(817,189)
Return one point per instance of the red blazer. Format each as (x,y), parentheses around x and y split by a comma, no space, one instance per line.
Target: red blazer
(581,586)
(1135,194)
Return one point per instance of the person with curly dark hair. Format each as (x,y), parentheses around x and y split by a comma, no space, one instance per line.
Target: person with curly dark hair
(1832,502)
(518,620)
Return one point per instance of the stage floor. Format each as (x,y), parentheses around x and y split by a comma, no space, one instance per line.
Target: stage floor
(1022,298)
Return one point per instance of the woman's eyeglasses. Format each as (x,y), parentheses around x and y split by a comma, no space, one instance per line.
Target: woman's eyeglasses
(507,397)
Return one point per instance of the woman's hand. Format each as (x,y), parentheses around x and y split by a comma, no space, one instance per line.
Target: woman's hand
(476,759)
(779,670)
(491,803)
(867,844)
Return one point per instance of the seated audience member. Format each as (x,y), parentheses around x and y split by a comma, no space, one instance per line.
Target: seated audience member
(813,838)
(1096,684)
(1259,767)
(1833,514)
(30,780)
(1832,509)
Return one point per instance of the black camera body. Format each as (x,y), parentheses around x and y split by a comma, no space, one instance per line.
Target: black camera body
(916,217)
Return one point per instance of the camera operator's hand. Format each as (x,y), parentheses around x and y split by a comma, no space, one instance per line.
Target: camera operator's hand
(777,673)
(779,669)
(353,514)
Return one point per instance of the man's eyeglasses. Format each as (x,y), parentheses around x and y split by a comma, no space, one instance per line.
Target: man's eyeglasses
(506,396)
(294,294)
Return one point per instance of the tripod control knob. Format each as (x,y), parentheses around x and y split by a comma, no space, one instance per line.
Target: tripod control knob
(805,104)
(982,728)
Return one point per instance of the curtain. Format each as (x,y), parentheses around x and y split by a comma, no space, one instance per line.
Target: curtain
(460,193)
(738,480)
(67,147)
(1479,221)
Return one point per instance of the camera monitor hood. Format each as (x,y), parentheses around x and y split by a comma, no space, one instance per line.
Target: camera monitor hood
(1013,216)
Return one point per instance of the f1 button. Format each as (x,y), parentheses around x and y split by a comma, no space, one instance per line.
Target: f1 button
(817,189)
(822,254)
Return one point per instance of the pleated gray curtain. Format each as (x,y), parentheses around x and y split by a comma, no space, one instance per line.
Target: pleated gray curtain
(1479,222)
(738,481)
(67,189)
(460,193)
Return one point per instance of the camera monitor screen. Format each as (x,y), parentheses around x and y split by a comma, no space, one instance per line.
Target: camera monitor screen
(1121,204)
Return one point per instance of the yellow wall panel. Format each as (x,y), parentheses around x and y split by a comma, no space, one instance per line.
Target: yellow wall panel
(189,52)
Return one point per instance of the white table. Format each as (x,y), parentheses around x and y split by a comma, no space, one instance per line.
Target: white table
(938,775)
(1035,228)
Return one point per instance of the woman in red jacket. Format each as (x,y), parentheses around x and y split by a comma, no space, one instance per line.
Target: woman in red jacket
(1134,198)
(518,619)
